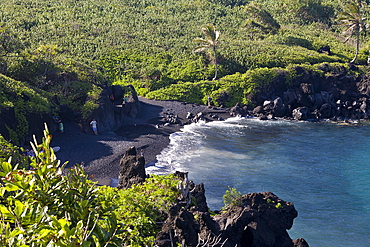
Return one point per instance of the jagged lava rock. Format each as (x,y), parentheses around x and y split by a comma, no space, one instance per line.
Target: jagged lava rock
(132,169)
(260,220)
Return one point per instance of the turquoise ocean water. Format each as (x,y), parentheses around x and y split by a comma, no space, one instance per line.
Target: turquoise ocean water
(323,168)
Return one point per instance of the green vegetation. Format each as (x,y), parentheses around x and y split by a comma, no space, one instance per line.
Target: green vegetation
(41,207)
(141,207)
(276,205)
(232,197)
(354,21)
(210,42)
(150,45)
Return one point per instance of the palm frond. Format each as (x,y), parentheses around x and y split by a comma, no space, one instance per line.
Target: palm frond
(201,48)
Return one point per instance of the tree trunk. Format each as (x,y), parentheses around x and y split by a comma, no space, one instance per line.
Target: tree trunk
(357,47)
(216,64)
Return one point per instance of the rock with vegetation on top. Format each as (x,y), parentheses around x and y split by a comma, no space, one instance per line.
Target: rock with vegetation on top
(258,219)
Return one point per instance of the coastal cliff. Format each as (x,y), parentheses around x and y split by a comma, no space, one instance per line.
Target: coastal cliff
(311,96)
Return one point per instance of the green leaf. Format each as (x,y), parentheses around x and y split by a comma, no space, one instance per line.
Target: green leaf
(86,244)
(11,187)
(4,211)
(15,233)
(19,208)
(6,167)
(43,233)
(2,191)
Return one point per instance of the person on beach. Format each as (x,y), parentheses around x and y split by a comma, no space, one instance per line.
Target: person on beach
(209,100)
(60,124)
(61,127)
(94,126)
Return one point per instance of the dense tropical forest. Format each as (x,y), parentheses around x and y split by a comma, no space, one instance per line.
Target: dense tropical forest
(167,49)
(75,48)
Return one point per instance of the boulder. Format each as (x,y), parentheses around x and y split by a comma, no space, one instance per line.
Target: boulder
(279,109)
(132,169)
(326,110)
(300,113)
(258,110)
(290,96)
(300,242)
(238,109)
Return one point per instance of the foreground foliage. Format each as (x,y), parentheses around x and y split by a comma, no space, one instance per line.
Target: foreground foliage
(143,207)
(40,206)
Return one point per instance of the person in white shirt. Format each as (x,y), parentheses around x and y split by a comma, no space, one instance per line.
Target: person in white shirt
(94,126)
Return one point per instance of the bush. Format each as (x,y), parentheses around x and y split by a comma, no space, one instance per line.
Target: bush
(232,197)
(40,207)
(142,206)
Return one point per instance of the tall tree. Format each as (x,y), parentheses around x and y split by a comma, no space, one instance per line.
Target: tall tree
(210,42)
(354,21)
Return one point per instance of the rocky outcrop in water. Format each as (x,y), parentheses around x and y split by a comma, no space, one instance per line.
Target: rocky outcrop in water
(261,219)
(253,220)
(132,169)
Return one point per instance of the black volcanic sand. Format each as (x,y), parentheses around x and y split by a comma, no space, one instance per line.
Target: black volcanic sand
(101,153)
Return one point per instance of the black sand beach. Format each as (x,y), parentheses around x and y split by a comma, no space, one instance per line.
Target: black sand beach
(101,153)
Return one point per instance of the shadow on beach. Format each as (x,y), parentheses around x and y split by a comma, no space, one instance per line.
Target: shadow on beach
(101,153)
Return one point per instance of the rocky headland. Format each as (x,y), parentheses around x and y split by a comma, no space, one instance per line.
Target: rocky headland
(253,220)
(311,96)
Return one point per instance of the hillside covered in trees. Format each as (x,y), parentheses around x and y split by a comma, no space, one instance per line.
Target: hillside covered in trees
(74,49)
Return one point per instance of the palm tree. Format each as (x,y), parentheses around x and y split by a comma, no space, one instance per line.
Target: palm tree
(352,18)
(210,42)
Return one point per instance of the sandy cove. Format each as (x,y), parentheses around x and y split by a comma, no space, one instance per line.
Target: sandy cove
(101,153)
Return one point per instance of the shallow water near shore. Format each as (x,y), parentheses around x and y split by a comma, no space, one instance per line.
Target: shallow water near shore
(323,168)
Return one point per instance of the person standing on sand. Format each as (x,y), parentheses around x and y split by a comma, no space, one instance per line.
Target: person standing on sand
(94,127)
(61,126)
(209,100)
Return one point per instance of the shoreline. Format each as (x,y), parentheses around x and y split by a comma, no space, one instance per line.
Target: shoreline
(101,154)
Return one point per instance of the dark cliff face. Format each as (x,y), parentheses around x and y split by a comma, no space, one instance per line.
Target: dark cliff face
(116,103)
(312,97)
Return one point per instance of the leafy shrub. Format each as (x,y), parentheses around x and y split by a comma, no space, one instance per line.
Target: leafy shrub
(40,207)
(142,206)
(23,100)
(92,102)
(259,20)
(232,3)
(232,197)
(8,150)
